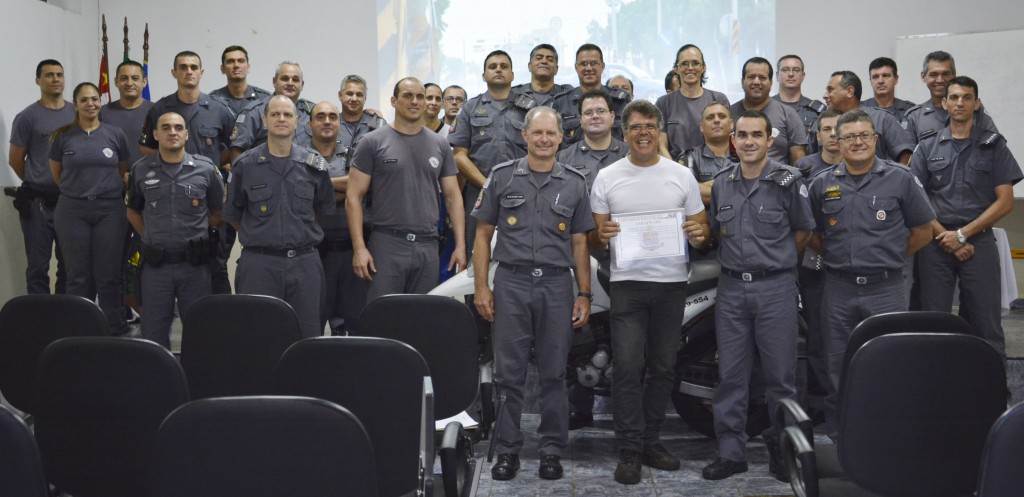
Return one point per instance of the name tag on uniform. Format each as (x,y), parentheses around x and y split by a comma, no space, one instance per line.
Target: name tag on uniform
(724,208)
(390,161)
(515,196)
(257,187)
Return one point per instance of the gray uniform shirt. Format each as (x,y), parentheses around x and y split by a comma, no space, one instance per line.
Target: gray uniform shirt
(925,120)
(865,226)
(892,141)
(756,228)
(811,165)
(405,172)
(898,109)
(589,161)
(787,128)
(175,199)
(89,161)
(492,130)
(131,121)
(536,221)
(275,201)
(682,119)
(704,163)
(253,97)
(31,129)
(541,98)
(249,129)
(335,224)
(567,103)
(807,109)
(960,179)
(209,127)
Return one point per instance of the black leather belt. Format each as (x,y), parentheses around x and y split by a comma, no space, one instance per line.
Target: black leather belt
(866,279)
(411,237)
(754,275)
(282,252)
(536,272)
(173,257)
(92,197)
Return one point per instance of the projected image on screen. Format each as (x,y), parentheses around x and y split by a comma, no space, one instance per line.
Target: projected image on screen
(445,41)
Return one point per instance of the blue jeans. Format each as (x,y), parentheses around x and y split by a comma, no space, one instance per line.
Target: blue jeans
(646,319)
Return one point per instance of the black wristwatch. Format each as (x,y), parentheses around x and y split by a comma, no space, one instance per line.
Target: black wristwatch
(588,295)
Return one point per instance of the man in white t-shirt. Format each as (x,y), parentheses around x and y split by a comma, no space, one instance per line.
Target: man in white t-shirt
(648,295)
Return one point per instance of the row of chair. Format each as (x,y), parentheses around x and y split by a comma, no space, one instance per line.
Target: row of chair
(918,396)
(386,383)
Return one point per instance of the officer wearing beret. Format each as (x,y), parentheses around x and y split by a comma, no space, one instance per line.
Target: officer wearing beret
(870,215)
(968,173)
(173,197)
(275,193)
(542,208)
(762,215)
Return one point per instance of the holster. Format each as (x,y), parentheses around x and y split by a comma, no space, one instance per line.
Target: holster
(198,251)
(23,197)
(152,256)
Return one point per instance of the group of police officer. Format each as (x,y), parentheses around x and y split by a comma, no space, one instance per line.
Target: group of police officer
(796,198)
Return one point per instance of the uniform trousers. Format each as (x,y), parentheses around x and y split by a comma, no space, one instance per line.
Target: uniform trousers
(402,266)
(298,280)
(93,235)
(753,317)
(40,238)
(845,305)
(980,287)
(646,324)
(346,293)
(160,285)
(812,287)
(538,311)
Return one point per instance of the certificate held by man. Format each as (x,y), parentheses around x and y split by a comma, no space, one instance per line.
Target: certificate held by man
(655,237)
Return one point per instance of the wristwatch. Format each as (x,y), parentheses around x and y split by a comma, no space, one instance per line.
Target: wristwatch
(960,237)
(589,296)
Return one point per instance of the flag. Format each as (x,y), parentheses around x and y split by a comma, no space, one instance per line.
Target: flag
(104,83)
(145,63)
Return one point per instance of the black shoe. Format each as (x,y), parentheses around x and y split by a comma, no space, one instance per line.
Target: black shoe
(506,467)
(578,420)
(776,464)
(550,468)
(657,457)
(628,470)
(723,468)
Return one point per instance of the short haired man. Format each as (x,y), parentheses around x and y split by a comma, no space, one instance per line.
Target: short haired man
(791,75)
(927,118)
(454,96)
(402,166)
(250,130)
(968,173)
(589,67)
(29,158)
(672,82)
(541,206)
(355,121)
(648,294)
(238,94)
(129,111)
(870,215)
(709,159)
(488,132)
(621,82)
(884,78)
(843,92)
(682,109)
(789,138)
(275,193)
(173,198)
(543,67)
(762,216)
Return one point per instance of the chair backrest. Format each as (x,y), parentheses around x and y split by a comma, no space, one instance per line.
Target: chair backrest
(264,447)
(27,325)
(441,329)
(101,401)
(379,380)
(916,409)
(1001,475)
(231,344)
(901,322)
(21,469)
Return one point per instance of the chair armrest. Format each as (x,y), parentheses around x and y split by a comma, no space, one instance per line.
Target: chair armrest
(427,453)
(801,462)
(789,413)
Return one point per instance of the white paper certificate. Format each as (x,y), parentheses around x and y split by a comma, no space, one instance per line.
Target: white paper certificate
(649,235)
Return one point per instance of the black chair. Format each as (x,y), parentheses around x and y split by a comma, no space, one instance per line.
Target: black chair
(444,332)
(915,410)
(101,400)
(27,325)
(264,447)
(1001,475)
(21,469)
(231,344)
(386,384)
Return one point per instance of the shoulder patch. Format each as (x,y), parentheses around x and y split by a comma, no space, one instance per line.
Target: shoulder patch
(990,139)
(925,134)
(316,162)
(524,101)
(573,169)
(618,95)
(785,175)
(817,106)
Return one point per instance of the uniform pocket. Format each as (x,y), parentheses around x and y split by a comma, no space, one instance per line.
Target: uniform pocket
(302,201)
(262,202)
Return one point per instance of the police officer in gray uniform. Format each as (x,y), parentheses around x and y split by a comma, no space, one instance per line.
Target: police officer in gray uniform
(250,130)
(37,195)
(882,73)
(355,122)
(707,160)
(760,210)
(488,131)
(589,67)
(790,74)
(275,192)
(238,94)
(543,67)
(173,198)
(129,111)
(789,143)
(968,173)
(843,92)
(870,215)
(926,119)
(542,208)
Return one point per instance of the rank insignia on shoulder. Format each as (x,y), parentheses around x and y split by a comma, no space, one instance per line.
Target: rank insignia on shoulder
(990,139)
(784,176)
